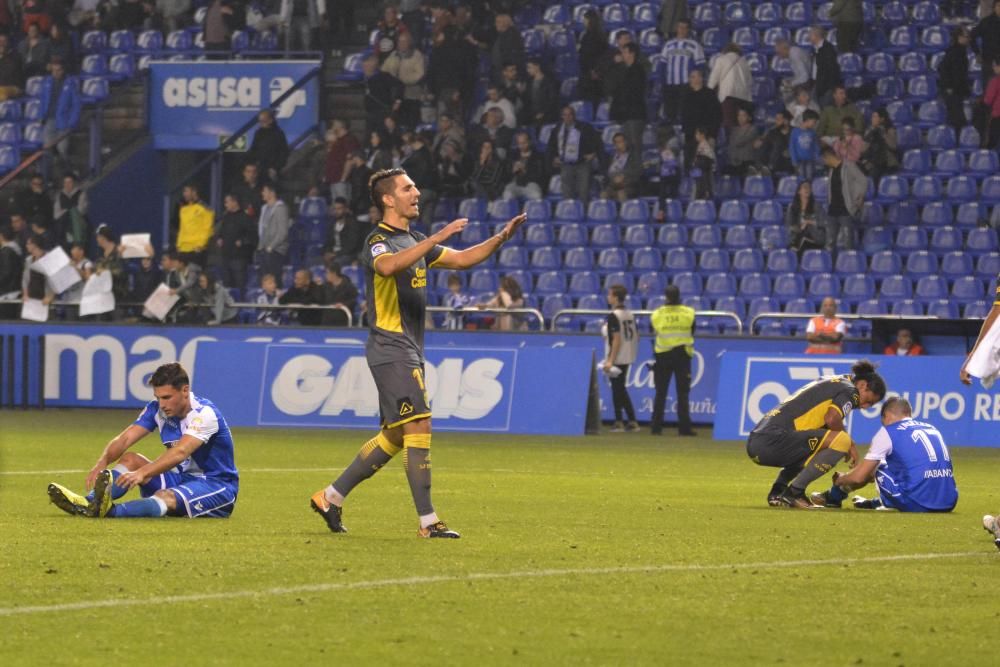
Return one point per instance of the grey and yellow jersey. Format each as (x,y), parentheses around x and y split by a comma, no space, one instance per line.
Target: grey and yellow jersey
(397,304)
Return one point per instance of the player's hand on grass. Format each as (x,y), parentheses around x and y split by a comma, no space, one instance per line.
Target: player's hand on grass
(452,228)
(511,228)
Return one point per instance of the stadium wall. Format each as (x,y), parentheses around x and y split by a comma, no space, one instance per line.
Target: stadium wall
(130,197)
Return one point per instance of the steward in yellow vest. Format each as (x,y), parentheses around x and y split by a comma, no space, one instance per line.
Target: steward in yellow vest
(674,347)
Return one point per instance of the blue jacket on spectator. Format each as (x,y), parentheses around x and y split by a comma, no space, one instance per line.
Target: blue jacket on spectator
(803,146)
(68,112)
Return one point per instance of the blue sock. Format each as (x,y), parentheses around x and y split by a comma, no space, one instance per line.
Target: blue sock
(116,491)
(147,507)
(836,494)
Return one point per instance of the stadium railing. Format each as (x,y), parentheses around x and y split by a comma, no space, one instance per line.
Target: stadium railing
(570,312)
(844,316)
(485,310)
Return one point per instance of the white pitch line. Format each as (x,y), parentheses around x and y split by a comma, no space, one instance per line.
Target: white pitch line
(475,576)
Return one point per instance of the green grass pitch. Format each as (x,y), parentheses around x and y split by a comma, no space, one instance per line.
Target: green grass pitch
(607,550)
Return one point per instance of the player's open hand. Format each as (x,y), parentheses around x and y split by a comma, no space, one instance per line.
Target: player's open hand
(92,475)
(133,478)
(511,227)
(452,228)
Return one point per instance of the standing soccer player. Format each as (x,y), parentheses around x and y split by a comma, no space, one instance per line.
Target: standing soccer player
(909,463)
(621,345)
(195,477)
(396,260)
(804,435)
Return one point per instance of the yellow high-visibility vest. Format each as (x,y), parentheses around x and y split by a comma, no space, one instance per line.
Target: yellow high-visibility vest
(673,326)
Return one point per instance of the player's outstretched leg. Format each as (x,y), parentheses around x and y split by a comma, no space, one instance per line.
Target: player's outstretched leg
(328,502)
(69,502)
(417,461)
(992,526)
(100,505)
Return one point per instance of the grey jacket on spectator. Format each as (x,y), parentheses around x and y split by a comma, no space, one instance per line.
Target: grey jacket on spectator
(273,228)
(855,185)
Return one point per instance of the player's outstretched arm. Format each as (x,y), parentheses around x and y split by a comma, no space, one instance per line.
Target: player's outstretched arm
(859,476)
(168,460)
(390,264)
(990,322)
(464,259)
(114,450)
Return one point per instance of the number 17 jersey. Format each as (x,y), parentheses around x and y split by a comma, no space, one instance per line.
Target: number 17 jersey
(917,464)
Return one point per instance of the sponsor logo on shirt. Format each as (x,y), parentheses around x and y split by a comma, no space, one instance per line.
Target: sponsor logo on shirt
(379,249)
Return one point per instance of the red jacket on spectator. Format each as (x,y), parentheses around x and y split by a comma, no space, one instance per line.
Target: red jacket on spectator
(992,97)
(336,157)
(915,350)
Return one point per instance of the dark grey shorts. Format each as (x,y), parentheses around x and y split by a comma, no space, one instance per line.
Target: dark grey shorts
(781,448)
(402,395)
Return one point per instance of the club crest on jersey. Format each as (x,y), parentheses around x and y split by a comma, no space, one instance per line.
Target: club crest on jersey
(379,249)
(405,408)
(378,238)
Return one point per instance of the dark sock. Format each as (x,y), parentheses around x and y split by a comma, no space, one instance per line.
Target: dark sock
(417,461)
(836,494)
(373,455)
(821,463)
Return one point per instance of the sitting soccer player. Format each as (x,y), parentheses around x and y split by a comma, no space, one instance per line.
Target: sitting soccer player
(196,476)
(804,435)
(909,463)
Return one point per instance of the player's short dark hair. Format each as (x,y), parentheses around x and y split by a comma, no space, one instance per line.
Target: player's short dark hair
(619,292)
(809,114)
(172,375)
(865,370)
(379,184)
(897,404)
(673,295)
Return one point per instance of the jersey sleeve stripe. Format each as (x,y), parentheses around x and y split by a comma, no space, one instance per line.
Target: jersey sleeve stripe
(444,253)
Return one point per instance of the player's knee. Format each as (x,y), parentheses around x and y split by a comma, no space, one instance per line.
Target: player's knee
(133,461)
(838,441)
(168,498)
(390,442)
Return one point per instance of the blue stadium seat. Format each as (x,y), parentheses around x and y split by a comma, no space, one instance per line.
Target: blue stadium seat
(9,159)
(10,134)
(706,15)
(651,283)
(34,86)
(798,14)
(782,260)
(892,87)
(94,89)
(33,136)
(583,283)
(885,263)
(94,41)
(737,13)
(922,87)
(671,235)
(94,65)
(754,285)
(816,261)
(988,265)
(538,234)
(926,13)
(556,14)
(767,212)
(761,304)
(645,16)
(896,287)
(983,162)
(907,308)
(823,285)
(787,187)
(680,259)
(903,213)
(801,306)
(789,286)
(606,236)
(916,162)
(821,188)
(569,210)
(179,40)
(931,287)
(981,240)
(713,39)
(926,188)
(727,187)
(623,278)
(942,137)
(602,210)
(537,210)
(931,113)
(612,259)
(515,257)
(121,67)
(580,259)
(473,209)
(634,211)
(937,213)
(550,282)
(961,189)
(892,189)
(696,302)
(875,239)
(967,288)
(719,285)
(757,188)
(706,236)
(872,307)
(690,284)
(771,37)
(946,239)
(949,163)
(734,212)
(639,235)
(871,214)
(10,110)
(969,138)
(970,213)
(553,303)
(903,38)
(572,234)
(746,38)
(241,41)
(858,287)
(977,310)
(731,304)
(851,261)
(543,259)
(672,211)
(740,236)
(911,238)
(956,265)
(934,39)
(990,193)
(700,211)
(121,41)
(502,209)
(908,136)
(483,281)
(647,259)
(879,65)
(943,308)
(713,260)
(773,237)
(748,260)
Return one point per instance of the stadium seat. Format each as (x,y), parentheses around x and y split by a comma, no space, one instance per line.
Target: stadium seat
(639,235)
(967,288)
(983,162)
(713,260)
(241,41)
(857,288)
(537,210)
(672,235)
(789,286)
(885,263)
(754,285)
(896,287)
(612,259)
(902,38)
(623,278)
(892,189)
(787,187)
(916,162)
(650,284)
(931,287)
(931,113)
(583,283)
(942,137)
(937,213)
(922,87)
(970,213)
(634,211)
(515,257)
(179,40)
(696,302)
(911,238)
(961,189)
(756,188)
(553,303)
(606,236)
(981,240)
(908,136)
(731,304)
(823,285)
(9,159)
(740,236)
(94,41)
(988,265)
(734,212)
(483,281)
(956,265)
(761,304)
(572,234)
(946,239)
(10,110)
(34,86)
(821,188)
(700,211)
(94,90)
(569,210)
(672,211)
(706,15)
(121,67)
(473,209)
(926,188)
(902,214)
(10,134)
(767,212)
(977,310)
(581,259)
(542,259)
(892,87)
(718,285)
(782,260)
(602,210)
(851,261)
(872,307)
(748,260)
(647,259)
(680,259)
(816,261)
(121,41)
(879,65)
(94,65)
(550,282)
(690,284)
(949,163)
(644,16)
(33,136)
(969,138)
(934,38)
(943,308)
(774,237)
(706,236)
(874,239)
(907,308)
(538,234)
(502,209)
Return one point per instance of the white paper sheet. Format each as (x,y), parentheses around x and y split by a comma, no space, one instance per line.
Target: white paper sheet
(52,262)
(97,296)
(160,302)
(63,279)
(135,245)
(34,310)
